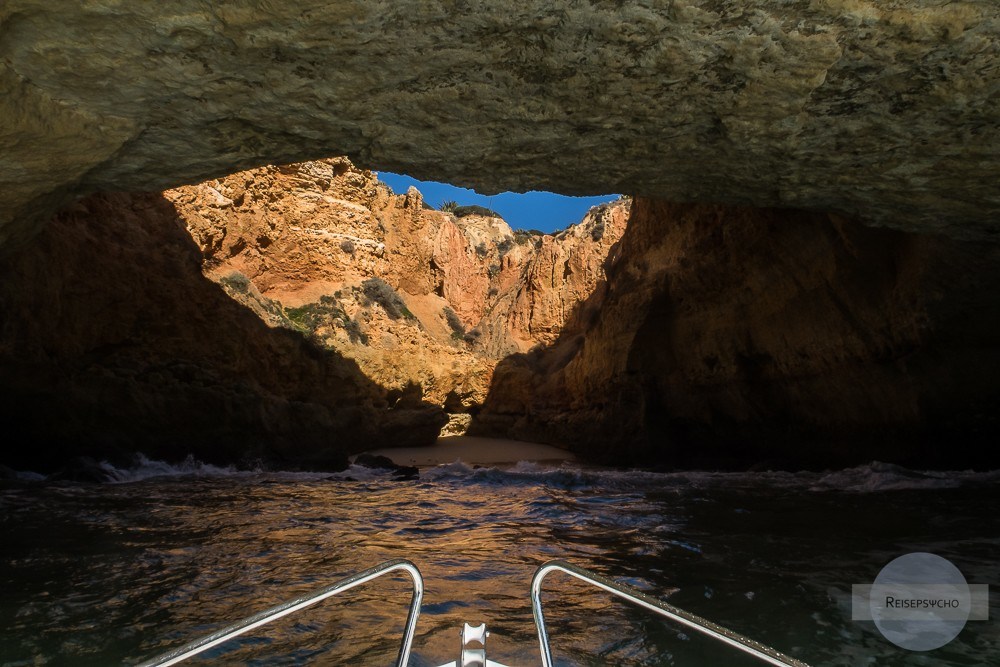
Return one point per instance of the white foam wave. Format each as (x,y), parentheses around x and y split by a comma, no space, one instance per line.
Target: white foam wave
(146,468)
(356,473)
(874,477)
(870,478)
(878,476)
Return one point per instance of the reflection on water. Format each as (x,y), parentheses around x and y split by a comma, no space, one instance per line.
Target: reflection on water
(98,575)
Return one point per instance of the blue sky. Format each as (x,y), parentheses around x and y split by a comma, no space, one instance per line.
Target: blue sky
(544,211)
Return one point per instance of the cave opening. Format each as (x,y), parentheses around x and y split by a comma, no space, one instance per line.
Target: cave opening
(534,210)
(334,274)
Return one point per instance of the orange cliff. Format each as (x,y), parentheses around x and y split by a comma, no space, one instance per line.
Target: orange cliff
(314,239)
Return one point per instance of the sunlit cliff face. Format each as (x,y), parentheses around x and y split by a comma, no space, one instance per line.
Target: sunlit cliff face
(884,113)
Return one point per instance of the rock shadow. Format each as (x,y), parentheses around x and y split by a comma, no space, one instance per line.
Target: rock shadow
(112,342)
(734,337)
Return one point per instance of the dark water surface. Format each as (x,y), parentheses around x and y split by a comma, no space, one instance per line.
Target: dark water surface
(115,573)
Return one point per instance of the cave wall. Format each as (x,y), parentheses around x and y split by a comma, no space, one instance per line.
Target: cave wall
(113,342)
(732,336)
(884,111)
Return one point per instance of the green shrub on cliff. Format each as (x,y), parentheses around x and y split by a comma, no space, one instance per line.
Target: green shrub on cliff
(242,290)
(458,331)
(505,247)
(327,311)
(378,291)
(597,231)
(236,281)
(526,236)
(311,316)
(354,332)
(473,209)
(454,321)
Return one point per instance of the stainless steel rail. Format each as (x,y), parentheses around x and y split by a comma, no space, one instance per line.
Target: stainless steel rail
(697,623)
(286,608)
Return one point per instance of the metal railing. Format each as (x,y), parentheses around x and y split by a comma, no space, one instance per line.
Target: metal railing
(286,608)
(697,623)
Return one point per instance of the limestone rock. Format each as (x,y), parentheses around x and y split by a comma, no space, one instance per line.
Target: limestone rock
(728,336)
(112,341)
(566,271)
(309,236)
(883,111)
(458,424)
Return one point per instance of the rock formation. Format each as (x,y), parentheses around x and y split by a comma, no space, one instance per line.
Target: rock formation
(361,317)
(112,341)
(317,238)
(883,111)
(732,336)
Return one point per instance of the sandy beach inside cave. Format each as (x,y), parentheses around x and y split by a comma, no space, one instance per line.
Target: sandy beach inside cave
(474,451)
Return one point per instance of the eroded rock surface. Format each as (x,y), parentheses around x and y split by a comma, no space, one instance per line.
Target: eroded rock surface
(732,336)
(885,111)
(422,300)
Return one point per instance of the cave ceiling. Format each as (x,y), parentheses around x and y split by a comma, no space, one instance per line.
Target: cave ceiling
(887,111)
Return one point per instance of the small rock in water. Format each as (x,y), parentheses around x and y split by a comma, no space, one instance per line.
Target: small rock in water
(82,469)
(405,473)
(399,473)
(375,461)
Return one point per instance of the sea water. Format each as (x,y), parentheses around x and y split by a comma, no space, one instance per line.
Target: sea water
(115,573)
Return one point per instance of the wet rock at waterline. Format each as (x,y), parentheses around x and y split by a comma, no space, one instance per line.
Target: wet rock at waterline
(398,472)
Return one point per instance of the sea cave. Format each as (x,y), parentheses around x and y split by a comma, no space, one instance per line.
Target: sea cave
(789,313)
